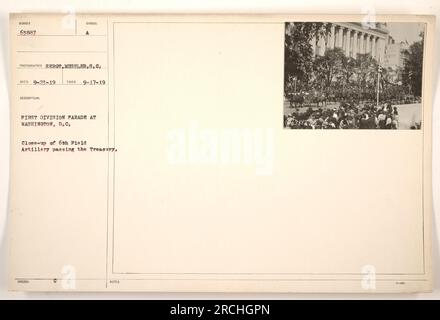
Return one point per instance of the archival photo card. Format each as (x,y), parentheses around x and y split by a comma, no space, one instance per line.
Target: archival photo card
(353,75)
(148,154)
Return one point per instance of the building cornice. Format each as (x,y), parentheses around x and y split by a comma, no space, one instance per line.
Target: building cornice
(356,26)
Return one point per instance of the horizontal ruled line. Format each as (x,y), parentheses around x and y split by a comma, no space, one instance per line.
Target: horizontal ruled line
(56,51)
(61,84)
(42,68)
(62,35)
(219,279)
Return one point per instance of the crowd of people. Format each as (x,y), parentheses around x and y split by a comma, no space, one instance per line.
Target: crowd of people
(345,116)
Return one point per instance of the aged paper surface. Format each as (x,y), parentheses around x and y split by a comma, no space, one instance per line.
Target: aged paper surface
(149,153)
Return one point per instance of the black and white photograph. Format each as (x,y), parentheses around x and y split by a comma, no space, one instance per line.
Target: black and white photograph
(353,75)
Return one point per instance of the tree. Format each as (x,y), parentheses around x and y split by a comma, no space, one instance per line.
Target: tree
(348,70)
(326,69)
(413,67)
(365,69)
(328,66)
(298,53)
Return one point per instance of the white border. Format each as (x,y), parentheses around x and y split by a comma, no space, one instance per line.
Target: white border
(431,7)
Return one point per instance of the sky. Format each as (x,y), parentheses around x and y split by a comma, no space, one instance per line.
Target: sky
(402,31)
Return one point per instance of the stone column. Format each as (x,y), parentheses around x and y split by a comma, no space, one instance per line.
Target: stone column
(364,45)
(321,46)
(332,37)
(340,37)
(361,43)
(373,46)
(355,44)
(313,43)
(381,49)
(368,43)
(347,42)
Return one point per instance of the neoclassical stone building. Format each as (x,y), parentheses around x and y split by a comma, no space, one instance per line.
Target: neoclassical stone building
(354,38)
